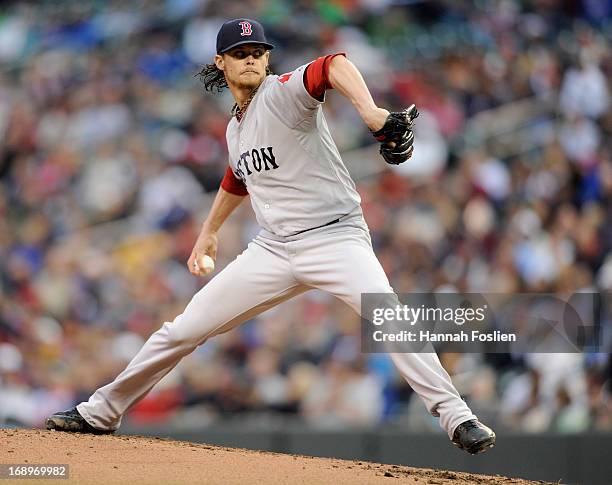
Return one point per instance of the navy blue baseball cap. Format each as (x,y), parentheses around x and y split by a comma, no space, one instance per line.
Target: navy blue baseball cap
(241,31)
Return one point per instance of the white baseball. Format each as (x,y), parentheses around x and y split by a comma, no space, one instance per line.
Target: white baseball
(209,264)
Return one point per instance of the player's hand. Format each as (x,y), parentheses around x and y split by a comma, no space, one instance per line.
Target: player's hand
(206,244)
(396,137)
(376,118)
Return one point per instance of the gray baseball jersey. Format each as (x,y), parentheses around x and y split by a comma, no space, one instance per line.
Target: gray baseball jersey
(285,155)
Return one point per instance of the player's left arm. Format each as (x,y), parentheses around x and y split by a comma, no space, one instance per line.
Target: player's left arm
(344,77)
(392,130)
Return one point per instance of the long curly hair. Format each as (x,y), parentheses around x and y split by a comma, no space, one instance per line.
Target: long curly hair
(213,78)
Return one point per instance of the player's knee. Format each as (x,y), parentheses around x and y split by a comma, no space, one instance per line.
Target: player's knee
(377,298)
(380,288)
(184,333)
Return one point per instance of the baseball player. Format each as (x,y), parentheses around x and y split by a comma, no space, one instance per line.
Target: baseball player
(313,234)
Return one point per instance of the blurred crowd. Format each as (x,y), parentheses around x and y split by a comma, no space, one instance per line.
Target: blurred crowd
(111,154)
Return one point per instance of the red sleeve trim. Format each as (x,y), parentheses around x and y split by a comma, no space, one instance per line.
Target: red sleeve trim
(232,184)
(316,76)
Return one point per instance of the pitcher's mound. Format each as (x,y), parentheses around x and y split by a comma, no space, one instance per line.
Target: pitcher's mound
(136,459)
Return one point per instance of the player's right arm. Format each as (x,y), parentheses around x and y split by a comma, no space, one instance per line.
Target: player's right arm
(231,193)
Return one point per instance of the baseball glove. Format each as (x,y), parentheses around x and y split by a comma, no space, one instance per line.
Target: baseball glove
(396,136)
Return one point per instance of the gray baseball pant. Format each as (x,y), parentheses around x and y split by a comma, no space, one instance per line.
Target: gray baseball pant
(338,259)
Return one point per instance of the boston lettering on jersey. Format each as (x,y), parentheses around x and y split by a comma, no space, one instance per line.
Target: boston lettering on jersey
(255,160)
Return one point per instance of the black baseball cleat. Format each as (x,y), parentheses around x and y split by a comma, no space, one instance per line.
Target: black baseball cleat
(474,437)
(72,421)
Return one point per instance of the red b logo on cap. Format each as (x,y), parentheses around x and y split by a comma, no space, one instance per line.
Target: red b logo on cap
(246,28)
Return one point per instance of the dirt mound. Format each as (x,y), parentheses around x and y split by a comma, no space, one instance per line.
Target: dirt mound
(137,459)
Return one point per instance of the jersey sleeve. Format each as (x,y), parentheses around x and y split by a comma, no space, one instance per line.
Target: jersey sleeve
(290,100)
(233,184)
(316,77)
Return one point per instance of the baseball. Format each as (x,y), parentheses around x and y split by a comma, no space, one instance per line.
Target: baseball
(209,264)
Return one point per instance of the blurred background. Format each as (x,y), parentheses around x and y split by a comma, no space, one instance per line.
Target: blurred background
(111,154)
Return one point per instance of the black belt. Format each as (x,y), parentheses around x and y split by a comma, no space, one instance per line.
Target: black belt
(318,227)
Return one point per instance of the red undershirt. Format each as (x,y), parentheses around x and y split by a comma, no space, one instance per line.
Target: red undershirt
(316,83)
